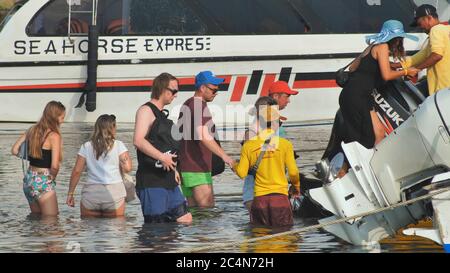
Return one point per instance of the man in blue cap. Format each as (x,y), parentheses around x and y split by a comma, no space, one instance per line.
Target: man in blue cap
(198,144)
(435,57)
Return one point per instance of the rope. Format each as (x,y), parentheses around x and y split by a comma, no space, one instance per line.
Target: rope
(313,227)
(298,150)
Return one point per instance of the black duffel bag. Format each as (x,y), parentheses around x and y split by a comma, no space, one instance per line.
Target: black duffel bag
(218,165)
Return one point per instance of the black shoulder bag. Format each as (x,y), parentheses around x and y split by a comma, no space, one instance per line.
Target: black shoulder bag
(342,76)
(218,165)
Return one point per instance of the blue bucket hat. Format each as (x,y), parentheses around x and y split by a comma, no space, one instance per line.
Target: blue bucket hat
(206,77)
(391,29)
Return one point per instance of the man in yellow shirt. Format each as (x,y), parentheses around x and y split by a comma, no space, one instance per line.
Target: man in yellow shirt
(271,204)
(435,57)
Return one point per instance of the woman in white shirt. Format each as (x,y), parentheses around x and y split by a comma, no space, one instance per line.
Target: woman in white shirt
(103,194)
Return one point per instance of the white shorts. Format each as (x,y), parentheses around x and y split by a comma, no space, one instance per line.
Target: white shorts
(103,197)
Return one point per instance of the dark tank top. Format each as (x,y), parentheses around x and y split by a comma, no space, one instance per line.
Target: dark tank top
(148,175)
(44,162)
(367,76)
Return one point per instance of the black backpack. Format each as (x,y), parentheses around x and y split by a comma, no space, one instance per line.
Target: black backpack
(160,136)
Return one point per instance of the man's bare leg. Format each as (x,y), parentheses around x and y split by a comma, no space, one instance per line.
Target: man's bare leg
(203,195)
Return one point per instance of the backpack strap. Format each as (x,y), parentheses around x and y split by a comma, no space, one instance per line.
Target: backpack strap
(158,113)
(360,56)
(254,168)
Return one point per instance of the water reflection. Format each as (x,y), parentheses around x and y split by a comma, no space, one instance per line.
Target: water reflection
(48,231)
(157,237)
(227,222)
(281,244)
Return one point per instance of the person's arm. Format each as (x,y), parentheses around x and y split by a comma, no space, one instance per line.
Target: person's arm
(293,172)
(437,43)
(243,166)
(16,145)
(125,162)
(209,142)
(381,52)
(74,179)
(144,121)
(56,146)
(430,61)
(416,59)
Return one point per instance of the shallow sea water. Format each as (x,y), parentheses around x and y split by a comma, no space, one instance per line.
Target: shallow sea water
(227,222)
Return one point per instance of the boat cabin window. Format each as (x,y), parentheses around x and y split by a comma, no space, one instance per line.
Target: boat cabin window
(243,17)
(175,17)
(11,13)
(354,16)
(220,17)
(53,18)
(160,17)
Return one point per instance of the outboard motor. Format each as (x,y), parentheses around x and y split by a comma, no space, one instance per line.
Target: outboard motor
(397,169)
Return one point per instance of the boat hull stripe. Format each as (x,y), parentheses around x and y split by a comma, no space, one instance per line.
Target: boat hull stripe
(238,90)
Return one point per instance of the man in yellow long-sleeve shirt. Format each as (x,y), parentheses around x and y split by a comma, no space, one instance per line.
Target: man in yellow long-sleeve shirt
(435,57)
(271,204)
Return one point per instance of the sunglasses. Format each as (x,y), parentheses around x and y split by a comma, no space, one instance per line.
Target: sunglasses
(173,91)
(214,90)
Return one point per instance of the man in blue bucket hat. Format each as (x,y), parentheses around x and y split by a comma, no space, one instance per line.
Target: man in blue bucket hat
(435,56)
(198,143)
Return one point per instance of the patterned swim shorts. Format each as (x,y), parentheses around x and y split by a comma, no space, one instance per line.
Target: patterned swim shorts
(35,184)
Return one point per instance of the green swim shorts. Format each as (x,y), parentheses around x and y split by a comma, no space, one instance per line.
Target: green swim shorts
(191,179)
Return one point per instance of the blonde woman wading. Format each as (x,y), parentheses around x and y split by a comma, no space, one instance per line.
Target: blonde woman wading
(103,194)
(45,155)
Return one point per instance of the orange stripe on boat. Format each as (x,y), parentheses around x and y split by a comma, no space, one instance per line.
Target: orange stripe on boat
(270,78)
(238,88)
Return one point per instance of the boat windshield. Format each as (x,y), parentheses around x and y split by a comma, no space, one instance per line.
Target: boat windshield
(11,13)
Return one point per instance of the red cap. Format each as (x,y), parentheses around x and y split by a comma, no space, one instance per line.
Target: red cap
(281,87)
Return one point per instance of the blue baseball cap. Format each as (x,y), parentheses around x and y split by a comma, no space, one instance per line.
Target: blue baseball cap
(206,77)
